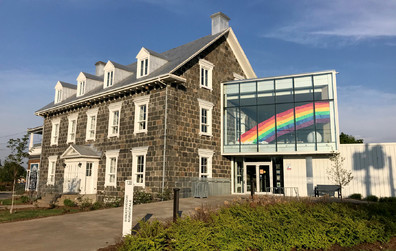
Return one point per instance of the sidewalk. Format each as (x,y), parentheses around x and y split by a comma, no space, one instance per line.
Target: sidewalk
(90,230)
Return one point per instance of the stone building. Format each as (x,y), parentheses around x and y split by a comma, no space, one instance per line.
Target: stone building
(156,121)
(197,115)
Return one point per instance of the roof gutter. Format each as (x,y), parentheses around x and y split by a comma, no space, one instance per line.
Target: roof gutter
(161,79)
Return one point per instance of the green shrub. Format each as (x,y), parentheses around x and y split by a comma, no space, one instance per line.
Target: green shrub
(165,195)
(270,226)
(69,203)
(114,202)
(141,197)
(25,199)
(388,199)
(355,196)
(85,204)
(97,205)
(372,198)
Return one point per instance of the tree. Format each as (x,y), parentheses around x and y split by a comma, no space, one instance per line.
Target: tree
(349,139)
(337,173)
(7,171)
(16,159)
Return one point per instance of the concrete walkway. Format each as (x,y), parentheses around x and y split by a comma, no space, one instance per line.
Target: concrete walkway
(89,230)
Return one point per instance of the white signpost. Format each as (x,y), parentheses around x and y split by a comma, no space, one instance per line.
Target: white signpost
(128,207)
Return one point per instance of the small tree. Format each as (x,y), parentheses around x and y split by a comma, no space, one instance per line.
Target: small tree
(349,139)
(16,159)
(337,173)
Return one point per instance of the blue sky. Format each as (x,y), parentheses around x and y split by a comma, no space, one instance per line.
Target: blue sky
(44,41)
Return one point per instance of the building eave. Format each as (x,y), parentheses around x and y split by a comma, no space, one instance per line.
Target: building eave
(199,51)
(163,79)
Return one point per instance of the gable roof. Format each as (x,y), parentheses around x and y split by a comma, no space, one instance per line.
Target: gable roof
(94,77)
(176,58)
(79,151)
(156,54)
(122,67)
(68,85)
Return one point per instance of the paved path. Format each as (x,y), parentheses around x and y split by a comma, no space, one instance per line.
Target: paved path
(89,230)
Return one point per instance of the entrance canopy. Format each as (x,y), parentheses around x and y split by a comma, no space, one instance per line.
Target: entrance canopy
(79,151)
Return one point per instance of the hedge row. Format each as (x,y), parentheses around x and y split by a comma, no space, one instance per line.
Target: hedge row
(280,226)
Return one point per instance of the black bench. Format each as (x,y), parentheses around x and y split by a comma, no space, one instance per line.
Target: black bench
(321,190)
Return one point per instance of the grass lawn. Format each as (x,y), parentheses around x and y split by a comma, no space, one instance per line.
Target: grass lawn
(17,201)
(25,214)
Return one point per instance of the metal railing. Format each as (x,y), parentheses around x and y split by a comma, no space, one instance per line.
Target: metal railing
(285,191)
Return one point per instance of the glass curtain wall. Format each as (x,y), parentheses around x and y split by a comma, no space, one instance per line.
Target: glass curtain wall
(291,114)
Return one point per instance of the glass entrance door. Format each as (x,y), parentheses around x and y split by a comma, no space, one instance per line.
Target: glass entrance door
(251,178)
(264,181)
(258,177)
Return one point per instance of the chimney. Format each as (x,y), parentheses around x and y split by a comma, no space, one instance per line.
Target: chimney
(219,22)
(99,68)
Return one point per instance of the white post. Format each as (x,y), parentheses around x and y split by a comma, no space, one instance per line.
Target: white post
(31,141)
(128,207)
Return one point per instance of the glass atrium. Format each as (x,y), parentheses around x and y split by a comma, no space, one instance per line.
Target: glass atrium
(289,114)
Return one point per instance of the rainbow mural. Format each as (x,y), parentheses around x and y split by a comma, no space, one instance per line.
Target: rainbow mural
(285,122)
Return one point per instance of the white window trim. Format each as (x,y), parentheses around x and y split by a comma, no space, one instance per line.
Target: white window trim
(55,131)
(109,155)
(237,76)
(71,118)
(204,64)
(139,73)
(139,151)
(81,87)
(58,95)
(204,153)
(91,113)
(203,104)
(106,78)
(51,160)
(138,102)
(113,108)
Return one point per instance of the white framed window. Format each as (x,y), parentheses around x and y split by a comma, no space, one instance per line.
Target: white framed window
(114,119)
(72,128)
(51,169)
(205,117)
(88,169)
(109,75)
(143,67)
(81,88)
(141,114)
(92,116)
(205,74)
(205,163)
(139,165)
(111,168)
(55,131)
(58,96)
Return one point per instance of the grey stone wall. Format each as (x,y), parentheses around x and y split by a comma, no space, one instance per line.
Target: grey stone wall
(183,139)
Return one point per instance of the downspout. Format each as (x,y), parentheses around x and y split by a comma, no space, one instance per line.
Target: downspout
(165,129)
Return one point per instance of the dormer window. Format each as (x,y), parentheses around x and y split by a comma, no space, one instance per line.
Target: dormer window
(143,67)
(109,78)
(58,96)
(81,88)
(147,61)
(64,91)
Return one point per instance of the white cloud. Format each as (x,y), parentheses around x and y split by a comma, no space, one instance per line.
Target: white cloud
(341,22)
(367,113)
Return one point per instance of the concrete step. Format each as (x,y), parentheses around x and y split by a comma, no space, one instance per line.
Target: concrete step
(46,200)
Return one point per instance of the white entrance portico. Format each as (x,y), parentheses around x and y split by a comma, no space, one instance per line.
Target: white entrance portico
(81,170)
